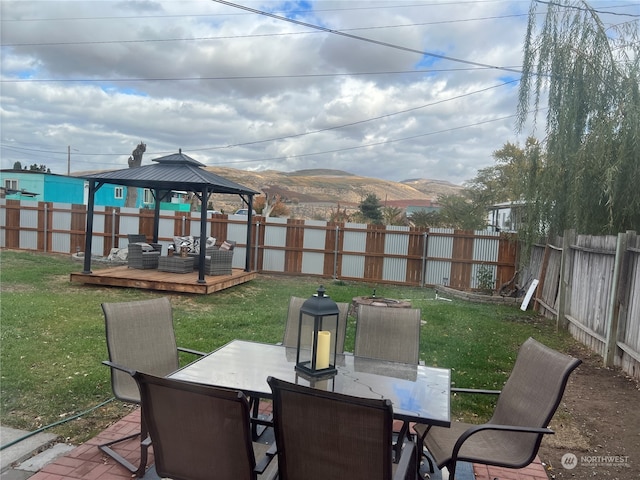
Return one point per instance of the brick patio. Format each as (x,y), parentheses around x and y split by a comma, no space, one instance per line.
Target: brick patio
(88,463)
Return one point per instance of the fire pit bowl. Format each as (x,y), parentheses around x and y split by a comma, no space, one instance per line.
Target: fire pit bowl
(377,302)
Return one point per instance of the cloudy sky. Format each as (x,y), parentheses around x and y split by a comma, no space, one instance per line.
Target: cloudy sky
(389,89)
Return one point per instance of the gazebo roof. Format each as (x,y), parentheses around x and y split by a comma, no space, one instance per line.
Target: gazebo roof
(172,172)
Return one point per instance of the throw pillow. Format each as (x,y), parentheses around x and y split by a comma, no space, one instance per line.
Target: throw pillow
(183,242)
(226,246)
(145,247)
(210,242)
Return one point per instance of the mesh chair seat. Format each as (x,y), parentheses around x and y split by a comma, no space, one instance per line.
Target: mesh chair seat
(391,334)
(140,336)
(200,431)
(512,437)
(323,434)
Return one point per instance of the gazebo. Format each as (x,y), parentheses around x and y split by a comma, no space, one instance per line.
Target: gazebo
(172,172)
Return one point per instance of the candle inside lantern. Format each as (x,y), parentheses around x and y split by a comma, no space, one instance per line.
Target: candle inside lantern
(324,346)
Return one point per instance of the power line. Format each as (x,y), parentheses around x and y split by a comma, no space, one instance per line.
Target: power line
(394,6)
(364,39)
(236,77)
(297,135)
(231,37)
(583,9)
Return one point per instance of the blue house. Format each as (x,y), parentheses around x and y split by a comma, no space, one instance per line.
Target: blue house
(50,187)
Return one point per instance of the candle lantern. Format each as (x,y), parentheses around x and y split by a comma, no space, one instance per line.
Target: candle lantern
(317,336)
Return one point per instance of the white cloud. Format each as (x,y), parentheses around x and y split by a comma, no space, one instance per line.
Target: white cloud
(319,111)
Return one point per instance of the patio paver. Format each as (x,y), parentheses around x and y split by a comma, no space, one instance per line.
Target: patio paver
(86,462)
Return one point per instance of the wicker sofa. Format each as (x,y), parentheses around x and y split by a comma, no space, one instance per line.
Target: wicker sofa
(142,258)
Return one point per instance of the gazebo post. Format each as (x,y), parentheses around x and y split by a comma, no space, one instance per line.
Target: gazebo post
(247,261)
(88,237)
(156,216)
(204,201)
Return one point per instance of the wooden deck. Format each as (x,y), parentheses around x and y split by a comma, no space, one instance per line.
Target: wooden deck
(124,276)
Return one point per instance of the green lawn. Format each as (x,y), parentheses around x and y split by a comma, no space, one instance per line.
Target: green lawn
(52,337)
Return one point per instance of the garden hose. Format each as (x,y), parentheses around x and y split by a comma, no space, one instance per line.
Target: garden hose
(60,422)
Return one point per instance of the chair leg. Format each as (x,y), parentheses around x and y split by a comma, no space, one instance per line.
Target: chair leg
(397,447)
(258,425)
(145,442)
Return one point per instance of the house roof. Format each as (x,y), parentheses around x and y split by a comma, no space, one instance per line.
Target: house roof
(172,172)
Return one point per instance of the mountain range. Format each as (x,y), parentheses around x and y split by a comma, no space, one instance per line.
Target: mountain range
(332,187)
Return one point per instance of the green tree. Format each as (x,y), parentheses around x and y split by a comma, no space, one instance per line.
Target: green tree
(587,177)
(393,216)
(39,168)
(371,209)
(424,219)
(507,180)
(459,211)
(17,166)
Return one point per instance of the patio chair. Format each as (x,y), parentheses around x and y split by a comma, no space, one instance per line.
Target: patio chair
(391,334)
(136,238)
(200,431)
(140,336)
(386,333)
(144,255)
(511,438)
(290,339)
(218,262)
(321,434)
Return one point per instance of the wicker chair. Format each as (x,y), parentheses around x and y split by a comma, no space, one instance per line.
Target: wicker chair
(141,259)
(219,262)
(136,238)
(322,434)
(201,432)
(140,336)
(511,438)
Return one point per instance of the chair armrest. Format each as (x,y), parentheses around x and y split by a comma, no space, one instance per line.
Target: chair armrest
(264,462)
(117,366)
(189,350)
(408,462)
(476,391)
(491,426)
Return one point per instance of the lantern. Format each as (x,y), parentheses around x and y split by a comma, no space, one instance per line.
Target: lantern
(317,336)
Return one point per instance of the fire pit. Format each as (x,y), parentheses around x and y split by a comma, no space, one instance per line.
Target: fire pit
(377,302)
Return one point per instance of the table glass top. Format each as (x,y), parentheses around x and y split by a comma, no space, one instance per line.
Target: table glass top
(418,393)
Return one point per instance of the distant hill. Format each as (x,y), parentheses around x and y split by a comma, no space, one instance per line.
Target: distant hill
(316,191)
(330,187)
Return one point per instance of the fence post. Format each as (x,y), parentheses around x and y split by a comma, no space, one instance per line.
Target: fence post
(46,225)
(564,288)
(335,253)
(423,270)
(613,310)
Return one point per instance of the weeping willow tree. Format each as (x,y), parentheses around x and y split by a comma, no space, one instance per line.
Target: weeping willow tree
(587,175)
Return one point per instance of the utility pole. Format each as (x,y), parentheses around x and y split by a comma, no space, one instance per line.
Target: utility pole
(68,160)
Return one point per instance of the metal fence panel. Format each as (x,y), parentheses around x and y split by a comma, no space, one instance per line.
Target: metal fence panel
(355,241)
(273,261)
(352,266)
(485,249)
(313,263)
(394,269)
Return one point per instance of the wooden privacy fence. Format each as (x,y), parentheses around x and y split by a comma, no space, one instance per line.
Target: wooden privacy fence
(591,285)
(348,251)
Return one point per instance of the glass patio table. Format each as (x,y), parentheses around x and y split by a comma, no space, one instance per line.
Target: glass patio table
(419,394)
